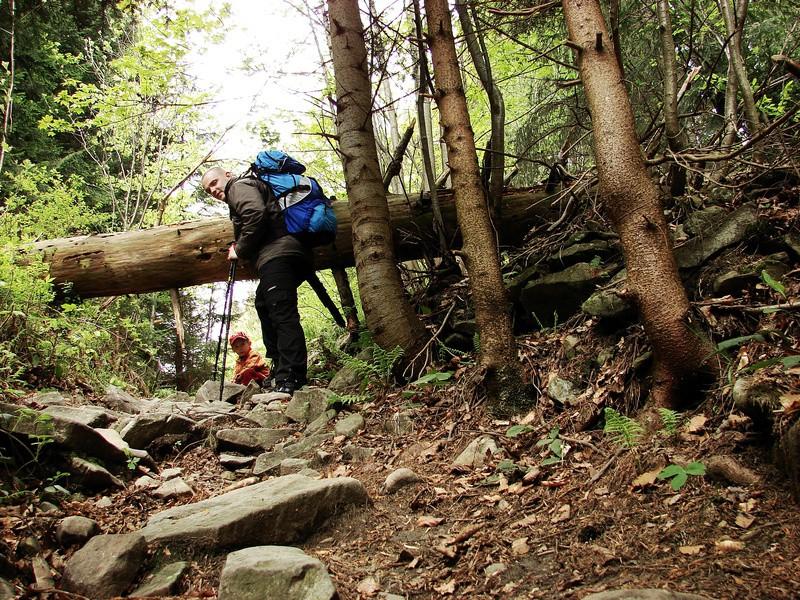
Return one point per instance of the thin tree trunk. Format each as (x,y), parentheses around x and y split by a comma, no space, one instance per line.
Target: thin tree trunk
(9,90)
(676,136)
(632,200)
(498,350)
(497,108)
(180,346)
(734,25)
(615,36)
(388,313)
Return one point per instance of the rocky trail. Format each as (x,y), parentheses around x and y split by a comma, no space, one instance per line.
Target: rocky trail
(357,488)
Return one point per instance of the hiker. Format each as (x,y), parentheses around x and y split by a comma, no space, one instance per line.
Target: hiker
(250,366)
(282,262)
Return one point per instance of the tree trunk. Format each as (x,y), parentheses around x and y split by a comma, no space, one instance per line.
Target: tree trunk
(676,136)
(497,107)
(632,201)
(498,353)
(194,253)
(734,25)
(180,341)
(388,313)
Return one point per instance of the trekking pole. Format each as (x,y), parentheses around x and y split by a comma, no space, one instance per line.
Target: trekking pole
(227,324)
(222,325)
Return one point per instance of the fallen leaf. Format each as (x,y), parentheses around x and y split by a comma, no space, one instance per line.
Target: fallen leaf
(532,475)
(790,403)
(690,550)
(429,521)
(646,479)
(563,514)
(724,546)
(531,417)
(696,423)
(529,520)
(744,521)
(446,588)
(520,546)
(368,587)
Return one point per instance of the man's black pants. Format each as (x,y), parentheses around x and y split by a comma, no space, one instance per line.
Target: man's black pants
(276,305)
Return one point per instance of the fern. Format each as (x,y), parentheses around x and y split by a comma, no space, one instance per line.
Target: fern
(623,430)
(671,420)
(345,399)
(378,369)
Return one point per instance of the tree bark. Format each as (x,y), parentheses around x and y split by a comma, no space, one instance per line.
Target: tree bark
(497,107)
(194,253)
(498,350)
(632,201)
(676,136)
(734,25)
(388,313)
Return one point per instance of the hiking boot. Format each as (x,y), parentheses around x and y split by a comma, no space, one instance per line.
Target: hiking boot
(287,386)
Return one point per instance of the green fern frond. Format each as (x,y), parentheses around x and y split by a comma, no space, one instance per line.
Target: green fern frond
(623,430)
(671,420)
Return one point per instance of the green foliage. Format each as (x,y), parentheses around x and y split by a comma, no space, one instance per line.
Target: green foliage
(434,378)
(554,447)
(774,284)
(517,430)
(671,420)
(342,400)
(378,370)
(623,430)
(680,475)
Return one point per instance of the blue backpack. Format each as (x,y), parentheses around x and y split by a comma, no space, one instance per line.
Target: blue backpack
(306,209)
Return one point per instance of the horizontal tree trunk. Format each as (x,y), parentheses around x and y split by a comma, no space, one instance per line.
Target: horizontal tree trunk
(193,253)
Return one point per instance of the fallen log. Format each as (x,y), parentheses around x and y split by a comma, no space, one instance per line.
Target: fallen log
(194,252)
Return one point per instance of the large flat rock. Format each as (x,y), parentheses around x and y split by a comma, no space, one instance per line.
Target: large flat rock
(279,511)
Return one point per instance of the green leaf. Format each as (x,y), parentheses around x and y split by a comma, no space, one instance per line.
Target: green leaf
(435,377)
(555,448)
(733,342)
(551,460)
(679,480)
(670,471)
(516,430)
(775,285)
(695,468)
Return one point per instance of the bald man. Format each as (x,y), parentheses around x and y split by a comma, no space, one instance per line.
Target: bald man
(282,263)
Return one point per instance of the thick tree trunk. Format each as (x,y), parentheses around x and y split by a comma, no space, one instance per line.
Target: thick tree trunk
(489,297)
(632,201)
(194,253)
(388,313)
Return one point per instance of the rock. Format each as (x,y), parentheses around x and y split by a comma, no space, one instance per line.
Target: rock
(174,488)
(307,404)
(91,416)
(231,461)
(64,432)
(562,391)
(350,425)
(347,378)
(117,399)
(104,502)
(171,473)
(145,482)
(644,595)
(105,566)
(178,397)
(733,282)
(274,572)
(92,475)
(7,591)
(731,230)
(700,222)
(557,296)
(143,429)
(76,530)
(356,454)
(250,390)
(312,473)
(474,455)
(269,397)
(320,422)
(49,399)
(583,252)
(399,479)
(269,419)
(42,574)
(281,510)
(293,465)
(209,392)
(251,439)
(399,424)
(29,546)
(48,508)
(757,399)
(270,461)
(792,242)
(495,569)
(609,304)
(208,410)
(163,582)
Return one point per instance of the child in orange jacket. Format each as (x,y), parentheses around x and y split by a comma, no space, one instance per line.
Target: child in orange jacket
(249,364)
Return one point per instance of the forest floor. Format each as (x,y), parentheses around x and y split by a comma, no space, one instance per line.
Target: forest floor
(596,520)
